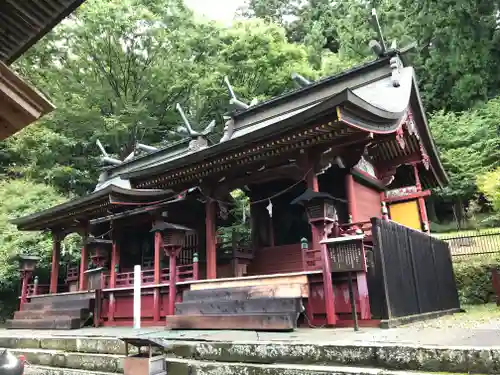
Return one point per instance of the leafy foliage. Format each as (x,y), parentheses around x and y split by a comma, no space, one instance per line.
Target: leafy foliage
(19,198)
(489,185)
(473,280)
(469,145)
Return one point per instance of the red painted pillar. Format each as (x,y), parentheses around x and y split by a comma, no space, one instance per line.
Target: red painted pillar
(84,265)
(115,261)
(312,183)
(172,278)
(210,240)
(351,197)
(24,289)
(423,214)
(421,201)
(331,317)
(56,255)
(157,276)
(364,300)
(114,264)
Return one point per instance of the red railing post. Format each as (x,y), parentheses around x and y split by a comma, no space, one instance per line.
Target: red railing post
(172,290)
(304,247)
(35,286)
(196,269)
(24,289)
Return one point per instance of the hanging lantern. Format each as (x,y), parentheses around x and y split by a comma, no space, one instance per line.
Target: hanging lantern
(319,206)
(173,234)
(27,263)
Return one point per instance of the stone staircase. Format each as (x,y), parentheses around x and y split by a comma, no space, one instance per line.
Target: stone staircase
(61,311)
(240,308)
(70,355)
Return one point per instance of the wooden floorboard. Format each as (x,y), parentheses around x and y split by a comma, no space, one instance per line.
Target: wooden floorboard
(267,322)
(59,322)
(247,306)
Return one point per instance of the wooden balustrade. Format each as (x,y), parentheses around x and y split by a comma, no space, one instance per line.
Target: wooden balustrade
(126,279)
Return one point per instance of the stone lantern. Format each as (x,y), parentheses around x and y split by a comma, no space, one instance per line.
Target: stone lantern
(173,239)
(27,265)
(319,206)
(322,216)
(99,250)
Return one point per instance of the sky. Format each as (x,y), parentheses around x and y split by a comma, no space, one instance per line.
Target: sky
(219,10)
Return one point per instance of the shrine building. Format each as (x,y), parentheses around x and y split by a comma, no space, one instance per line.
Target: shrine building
(335,175)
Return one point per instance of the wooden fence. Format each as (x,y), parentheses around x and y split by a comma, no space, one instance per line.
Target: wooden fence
(412,273)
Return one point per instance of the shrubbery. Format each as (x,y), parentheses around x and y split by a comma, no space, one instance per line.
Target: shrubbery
(474,280)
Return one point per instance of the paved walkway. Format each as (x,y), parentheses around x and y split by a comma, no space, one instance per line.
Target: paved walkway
(474,337)
(480,327)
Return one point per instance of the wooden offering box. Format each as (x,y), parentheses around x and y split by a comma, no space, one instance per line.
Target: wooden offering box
(149,359)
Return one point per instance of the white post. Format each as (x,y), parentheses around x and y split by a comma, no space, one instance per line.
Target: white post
(137,296)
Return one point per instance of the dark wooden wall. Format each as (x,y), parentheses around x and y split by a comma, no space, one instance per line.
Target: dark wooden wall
(412,273)
(368,203)
(277,259)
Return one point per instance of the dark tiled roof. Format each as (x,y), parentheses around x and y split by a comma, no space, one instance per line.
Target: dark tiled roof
(24,22)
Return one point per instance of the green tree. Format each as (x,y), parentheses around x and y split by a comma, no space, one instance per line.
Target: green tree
(489,185)
(20,198)
(125,65)
(469,146)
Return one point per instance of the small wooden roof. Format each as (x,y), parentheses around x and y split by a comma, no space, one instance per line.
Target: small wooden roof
(20,104)
(24,22)
(80,211)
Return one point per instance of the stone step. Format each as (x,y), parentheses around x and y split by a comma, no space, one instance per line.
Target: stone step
(256,322)
(47,370)
(76,361)
(243,306)
(41,314)
(23,339)
(63,297)
(391,356)
(243,349)
(58,305)
(54,322)
(240,293)
(188,367)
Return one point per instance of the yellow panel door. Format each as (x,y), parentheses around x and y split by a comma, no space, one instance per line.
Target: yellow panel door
(406,213)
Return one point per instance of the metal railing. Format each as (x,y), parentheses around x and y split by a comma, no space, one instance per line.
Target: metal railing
(473,244)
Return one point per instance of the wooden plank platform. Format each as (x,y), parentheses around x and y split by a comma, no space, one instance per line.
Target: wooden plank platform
(64,297)
(57,322)
(254,322)
(240,293)
(243,306)
(57,305)
(42,314)
(55,311)
(278,281)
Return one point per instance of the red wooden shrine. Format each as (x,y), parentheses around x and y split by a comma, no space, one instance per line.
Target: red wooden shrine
(359,138)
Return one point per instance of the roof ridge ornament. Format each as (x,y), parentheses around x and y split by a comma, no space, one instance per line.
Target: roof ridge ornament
(300,80)
(396,66)
(234,101)
(198,139)
(105,158)
(377,46)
